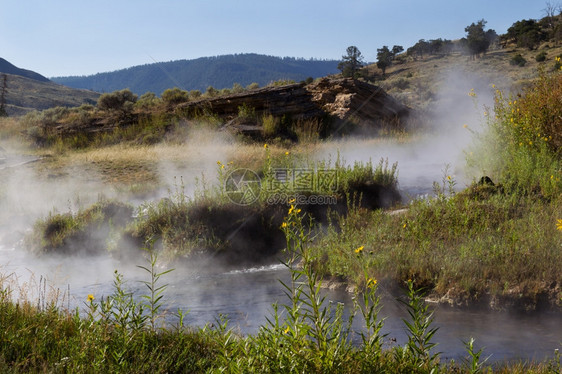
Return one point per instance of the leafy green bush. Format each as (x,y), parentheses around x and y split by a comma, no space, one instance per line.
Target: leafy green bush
(246,111)
(526,139)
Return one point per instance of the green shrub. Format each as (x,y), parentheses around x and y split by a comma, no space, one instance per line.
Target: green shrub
(175,96)
(526,138)
(122,100)
(253,86)
(237,88)
(270,125)
(246,111)
(211,92)
(518,60)
(281,82)
(148,101)
(401,83)
(308,130)
(194,94)
(541,57)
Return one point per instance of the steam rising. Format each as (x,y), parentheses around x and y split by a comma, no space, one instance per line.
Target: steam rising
(450,124)
(28,193)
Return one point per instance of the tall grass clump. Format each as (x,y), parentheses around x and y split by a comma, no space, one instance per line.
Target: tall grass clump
(115,333)
(525,139)
(89,230)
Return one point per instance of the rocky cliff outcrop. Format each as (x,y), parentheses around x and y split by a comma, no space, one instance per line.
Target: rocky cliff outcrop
(319,109)
(340,98)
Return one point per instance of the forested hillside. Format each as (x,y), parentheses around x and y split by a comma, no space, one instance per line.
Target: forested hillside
(198,74)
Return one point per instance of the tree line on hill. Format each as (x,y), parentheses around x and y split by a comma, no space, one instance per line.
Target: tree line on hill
(199,74)
(525,33)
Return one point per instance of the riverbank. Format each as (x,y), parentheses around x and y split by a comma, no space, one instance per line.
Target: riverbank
(115,332)
(497,242)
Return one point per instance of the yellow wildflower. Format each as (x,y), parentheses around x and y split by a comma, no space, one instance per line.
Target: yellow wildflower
(404,226)
(91,298)
(287,330)
(291,201)
(292,209)
(448,177)
(287,153)
(283,225)
(465,126)
(360,249)
(219,163)
(559,224)
(371,282)
(265,146)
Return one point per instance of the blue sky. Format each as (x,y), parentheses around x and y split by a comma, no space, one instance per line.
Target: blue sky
(70,37)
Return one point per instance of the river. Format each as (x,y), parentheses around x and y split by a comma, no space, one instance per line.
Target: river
(245,296)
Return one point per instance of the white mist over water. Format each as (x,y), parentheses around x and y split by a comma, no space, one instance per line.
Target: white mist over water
(246,295)
(450,127)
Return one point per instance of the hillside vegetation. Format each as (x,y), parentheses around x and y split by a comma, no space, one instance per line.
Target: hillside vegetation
(24,95)
(199,74)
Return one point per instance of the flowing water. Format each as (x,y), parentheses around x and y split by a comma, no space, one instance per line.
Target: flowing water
(245,296)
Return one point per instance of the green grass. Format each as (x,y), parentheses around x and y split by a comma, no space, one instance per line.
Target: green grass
(80,232)
(499,249)
(121,333)
(499,244)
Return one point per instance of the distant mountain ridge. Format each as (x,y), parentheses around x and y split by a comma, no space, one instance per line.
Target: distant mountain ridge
(8,68)
(24,95)
(27,90)
(198,74)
